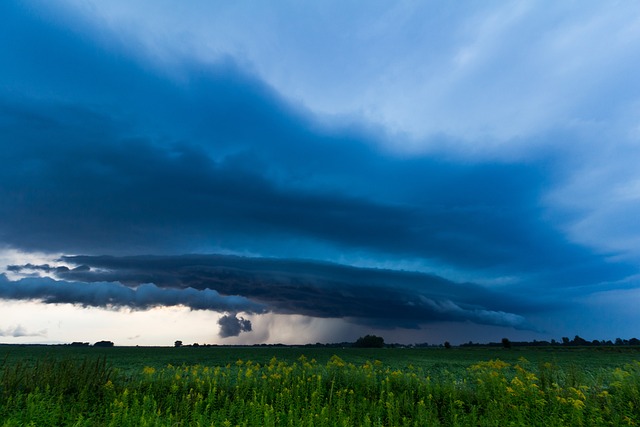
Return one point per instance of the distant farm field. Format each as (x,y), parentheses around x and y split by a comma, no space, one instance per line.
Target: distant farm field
(261,386)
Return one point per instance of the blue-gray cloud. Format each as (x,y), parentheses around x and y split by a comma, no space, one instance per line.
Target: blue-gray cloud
(115,295)
(104,153)
(231,325)
(374,297)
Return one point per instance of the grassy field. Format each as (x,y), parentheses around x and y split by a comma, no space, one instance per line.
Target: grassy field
(223,386)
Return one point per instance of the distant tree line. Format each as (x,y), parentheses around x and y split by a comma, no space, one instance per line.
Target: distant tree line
(373,341)
(565,341)
(369,341)
(86,344)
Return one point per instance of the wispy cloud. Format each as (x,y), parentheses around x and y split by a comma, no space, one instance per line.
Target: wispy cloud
(20,331)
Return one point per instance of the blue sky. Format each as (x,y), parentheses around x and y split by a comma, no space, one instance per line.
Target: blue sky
(263,172)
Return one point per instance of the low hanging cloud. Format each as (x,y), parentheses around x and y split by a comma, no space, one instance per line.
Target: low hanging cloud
(116,295)
(20,331)
(231,325)
(374,297)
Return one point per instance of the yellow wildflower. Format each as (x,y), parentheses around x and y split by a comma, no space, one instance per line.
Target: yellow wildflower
(577,403)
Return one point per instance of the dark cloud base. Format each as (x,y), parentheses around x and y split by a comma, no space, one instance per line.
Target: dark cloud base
(114,295)
(380,298)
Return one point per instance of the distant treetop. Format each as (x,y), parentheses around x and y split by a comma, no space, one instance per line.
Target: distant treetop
(369,341)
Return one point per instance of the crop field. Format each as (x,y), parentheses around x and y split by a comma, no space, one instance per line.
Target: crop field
(273,386)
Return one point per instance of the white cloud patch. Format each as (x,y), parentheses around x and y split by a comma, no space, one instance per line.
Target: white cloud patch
(11,256)
(18,331)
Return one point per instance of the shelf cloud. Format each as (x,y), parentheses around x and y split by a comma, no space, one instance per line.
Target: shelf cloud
(381,298)
(493,149)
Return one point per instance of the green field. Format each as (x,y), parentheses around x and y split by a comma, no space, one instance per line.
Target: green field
(261,386)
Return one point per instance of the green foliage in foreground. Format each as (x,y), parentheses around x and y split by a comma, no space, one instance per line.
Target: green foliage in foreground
(54,392)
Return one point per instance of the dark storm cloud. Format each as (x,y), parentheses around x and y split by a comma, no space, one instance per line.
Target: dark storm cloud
(103,153)
(374,297)
(231,325)
(115,295)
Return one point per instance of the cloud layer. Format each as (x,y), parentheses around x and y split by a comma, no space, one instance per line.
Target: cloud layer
(379,298)
(495,146)
(115,295)
(216,159)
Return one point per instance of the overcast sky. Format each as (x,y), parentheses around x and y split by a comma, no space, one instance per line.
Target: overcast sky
(291,172)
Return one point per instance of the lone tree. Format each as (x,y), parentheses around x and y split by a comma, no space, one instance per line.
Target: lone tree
(103,344)
(578,340)
(447,345)
(369,341)
(177,343)
(506,343)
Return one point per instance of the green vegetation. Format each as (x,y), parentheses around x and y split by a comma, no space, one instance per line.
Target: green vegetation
(47,386)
